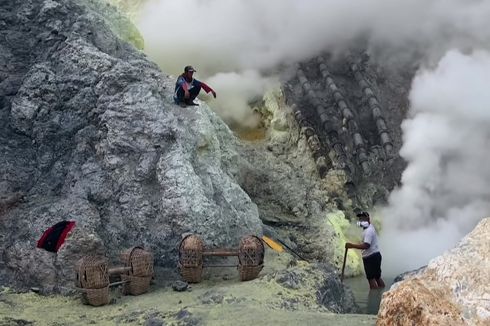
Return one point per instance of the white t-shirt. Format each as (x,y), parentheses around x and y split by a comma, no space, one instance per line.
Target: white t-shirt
(369,236)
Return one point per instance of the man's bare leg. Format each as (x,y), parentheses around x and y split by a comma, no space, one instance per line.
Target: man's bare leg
(380,282)
(372,284)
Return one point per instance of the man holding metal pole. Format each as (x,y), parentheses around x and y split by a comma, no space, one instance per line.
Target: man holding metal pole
(371,256)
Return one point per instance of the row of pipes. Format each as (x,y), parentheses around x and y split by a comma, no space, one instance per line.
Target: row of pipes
(331,124)
(321,161)
(347,115)
(375,109)
(328,121)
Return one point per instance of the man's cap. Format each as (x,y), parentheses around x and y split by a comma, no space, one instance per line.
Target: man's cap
(189,68)
(362,214)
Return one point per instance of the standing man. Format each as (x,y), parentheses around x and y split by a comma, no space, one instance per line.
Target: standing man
(187,88)
(371,256)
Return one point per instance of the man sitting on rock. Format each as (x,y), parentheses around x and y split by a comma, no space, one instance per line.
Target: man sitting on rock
(187,88)
(371,256)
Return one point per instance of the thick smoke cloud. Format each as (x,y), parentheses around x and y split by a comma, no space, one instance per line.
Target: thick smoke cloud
(445,189)
(234,36)
(239,89)
(231,35)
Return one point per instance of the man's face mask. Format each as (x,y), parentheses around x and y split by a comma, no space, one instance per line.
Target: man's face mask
(363,224)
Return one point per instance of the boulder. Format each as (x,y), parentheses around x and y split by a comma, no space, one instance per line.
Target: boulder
(452,290)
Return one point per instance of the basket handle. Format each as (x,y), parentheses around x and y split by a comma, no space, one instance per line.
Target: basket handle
(131,256)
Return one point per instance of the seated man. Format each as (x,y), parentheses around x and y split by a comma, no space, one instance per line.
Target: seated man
(187,88)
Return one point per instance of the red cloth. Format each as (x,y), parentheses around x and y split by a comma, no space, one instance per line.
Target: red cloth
(63,236)
(54,237)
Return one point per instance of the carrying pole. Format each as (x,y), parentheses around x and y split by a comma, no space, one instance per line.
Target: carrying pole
(118,270)
(343,265)
(291,250)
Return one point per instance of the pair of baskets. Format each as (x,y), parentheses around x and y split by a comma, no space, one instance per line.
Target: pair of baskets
(92,275)
(191,251)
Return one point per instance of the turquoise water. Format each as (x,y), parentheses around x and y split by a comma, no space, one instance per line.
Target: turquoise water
(368,300)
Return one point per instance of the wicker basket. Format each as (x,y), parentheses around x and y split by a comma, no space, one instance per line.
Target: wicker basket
(191,274)
(96,297)
(250,257)
(190,258)
(140,261)
(248,273)
(135,285)
(92,272)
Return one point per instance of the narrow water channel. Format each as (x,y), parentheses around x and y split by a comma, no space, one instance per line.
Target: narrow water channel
(368,300)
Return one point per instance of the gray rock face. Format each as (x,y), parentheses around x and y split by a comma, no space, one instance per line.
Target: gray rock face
(334,295)
(88,132)
(331,293)
(280,176)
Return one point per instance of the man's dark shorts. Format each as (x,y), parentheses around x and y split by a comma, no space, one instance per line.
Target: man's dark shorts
(372,266)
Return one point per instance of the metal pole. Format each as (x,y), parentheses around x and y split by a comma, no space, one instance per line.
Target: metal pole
(291,250)
(118,283)
(221,252)
(343,265)
(220,266)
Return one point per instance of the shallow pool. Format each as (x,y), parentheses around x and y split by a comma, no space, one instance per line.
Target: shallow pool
(368,300)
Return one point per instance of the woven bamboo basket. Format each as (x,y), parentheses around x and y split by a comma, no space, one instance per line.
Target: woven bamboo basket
(191,274)
(250,257)
(248,273)
(140,261)
(190,258)
(92,272)
(96,297)
(135,285)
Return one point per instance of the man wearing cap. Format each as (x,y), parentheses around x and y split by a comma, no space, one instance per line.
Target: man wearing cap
(187,88)
(371,257)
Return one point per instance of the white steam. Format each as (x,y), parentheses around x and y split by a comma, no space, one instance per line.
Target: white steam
(231,35)
(223,36)
(446,185)
(236,90)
